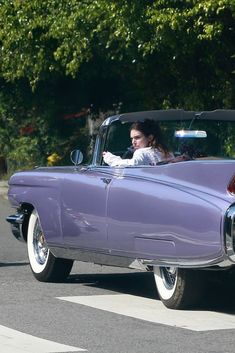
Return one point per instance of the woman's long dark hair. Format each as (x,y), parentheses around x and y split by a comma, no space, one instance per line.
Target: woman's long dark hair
(150,127)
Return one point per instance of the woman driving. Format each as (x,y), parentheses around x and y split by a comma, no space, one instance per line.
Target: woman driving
(148,145)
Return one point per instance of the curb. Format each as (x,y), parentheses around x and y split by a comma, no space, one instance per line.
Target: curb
(3,188)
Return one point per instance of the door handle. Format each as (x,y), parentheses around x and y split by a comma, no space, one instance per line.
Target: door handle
(106,180)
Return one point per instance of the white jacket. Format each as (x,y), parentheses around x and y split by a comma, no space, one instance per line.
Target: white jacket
(141,156)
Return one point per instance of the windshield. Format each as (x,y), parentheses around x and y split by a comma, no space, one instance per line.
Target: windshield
(216,138)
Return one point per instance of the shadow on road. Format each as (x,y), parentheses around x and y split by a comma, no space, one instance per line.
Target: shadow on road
(137,283)
(218,294)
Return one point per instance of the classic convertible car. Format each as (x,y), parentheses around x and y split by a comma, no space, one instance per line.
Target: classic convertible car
(175,219)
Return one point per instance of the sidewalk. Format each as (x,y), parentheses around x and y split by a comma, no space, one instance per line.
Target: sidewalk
(3,188)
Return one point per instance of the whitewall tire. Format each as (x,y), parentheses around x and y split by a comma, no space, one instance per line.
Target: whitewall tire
(44,265)
(178,288)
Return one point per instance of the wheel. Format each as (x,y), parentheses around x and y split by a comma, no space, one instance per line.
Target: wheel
(44,265)
(178,288)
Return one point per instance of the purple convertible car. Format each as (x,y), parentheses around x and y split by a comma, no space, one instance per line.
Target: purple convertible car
(175,219)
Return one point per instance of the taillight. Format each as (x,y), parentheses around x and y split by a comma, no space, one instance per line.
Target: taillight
(231,185)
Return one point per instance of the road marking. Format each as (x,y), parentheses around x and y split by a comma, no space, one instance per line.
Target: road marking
(12,341)
(154,311)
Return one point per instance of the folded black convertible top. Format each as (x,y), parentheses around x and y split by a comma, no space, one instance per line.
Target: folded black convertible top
(173,114)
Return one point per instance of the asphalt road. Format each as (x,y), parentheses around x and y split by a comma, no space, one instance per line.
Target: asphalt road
(102,310)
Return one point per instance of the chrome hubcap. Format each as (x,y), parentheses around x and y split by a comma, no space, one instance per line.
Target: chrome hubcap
(168,276)
(39,244)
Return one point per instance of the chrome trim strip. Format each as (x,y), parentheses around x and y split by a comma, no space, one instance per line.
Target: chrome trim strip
(190,263)
(110,120)
(229,233)
(100,258)
(94,256)
(98,144)
(96,150)
(16,222)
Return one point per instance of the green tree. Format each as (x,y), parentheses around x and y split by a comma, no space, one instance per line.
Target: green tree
(59,57)
(178,52)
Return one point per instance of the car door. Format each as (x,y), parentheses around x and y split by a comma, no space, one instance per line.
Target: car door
(131,212)
(138,214)
(149,216)
(83,208)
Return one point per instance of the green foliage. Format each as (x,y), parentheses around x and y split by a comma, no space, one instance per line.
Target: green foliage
(43,37)
(25,154)
(59,57)
(178,49)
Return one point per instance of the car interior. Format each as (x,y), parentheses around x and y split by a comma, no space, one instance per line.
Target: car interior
(216,139)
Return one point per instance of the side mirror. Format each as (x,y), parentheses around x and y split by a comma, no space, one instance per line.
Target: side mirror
(76,157)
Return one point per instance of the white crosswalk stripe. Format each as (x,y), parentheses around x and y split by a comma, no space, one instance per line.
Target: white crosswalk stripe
(154,311)
(12,341)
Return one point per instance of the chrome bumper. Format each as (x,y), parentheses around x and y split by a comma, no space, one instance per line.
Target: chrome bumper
(229,233)
(16,222)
